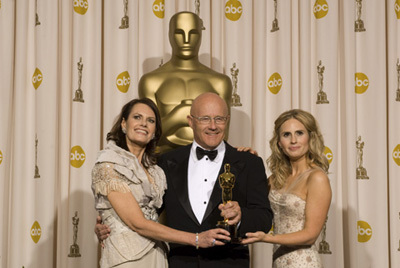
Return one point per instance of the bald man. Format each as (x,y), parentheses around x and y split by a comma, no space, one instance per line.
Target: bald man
(193,199)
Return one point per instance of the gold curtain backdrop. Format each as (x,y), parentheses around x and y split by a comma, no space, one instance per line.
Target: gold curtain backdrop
(67,67)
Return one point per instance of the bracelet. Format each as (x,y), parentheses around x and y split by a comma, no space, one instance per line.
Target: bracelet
(197,240)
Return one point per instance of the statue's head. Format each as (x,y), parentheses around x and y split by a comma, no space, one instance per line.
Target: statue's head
(185,34)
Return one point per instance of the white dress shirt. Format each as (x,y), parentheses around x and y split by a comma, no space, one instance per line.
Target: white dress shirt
(202,175)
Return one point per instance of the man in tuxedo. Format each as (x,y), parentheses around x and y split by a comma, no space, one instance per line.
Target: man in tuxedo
(193,199)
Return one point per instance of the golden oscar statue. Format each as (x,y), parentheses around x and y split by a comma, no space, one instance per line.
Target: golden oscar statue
(227,183)
(175,84)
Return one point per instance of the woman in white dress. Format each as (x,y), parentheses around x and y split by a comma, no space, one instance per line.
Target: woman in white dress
(128,188)
(300,192)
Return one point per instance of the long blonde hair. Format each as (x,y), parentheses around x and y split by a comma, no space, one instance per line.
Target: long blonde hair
(279,163)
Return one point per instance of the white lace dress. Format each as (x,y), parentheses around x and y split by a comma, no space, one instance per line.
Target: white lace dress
(289,217)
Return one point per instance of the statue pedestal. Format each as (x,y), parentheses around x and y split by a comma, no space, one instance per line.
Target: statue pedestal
(322,98)
(362,174)
(74,251)
(359,26)
(236,100)
(124,22)
(324,248)
(275,26)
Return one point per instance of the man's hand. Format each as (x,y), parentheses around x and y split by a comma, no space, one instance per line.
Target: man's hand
(247,149)
(231,211)
(101,230)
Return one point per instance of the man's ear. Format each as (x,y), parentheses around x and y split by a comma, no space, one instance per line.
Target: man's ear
(190,121)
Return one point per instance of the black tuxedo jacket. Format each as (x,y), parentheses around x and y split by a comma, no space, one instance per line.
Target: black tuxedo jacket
(250,191)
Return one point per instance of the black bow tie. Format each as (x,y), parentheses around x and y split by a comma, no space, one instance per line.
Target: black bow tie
(200,153)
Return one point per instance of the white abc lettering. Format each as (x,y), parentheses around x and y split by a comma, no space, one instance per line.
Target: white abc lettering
(318,8)
(362,231)
(35,232)
(396,7)
(233,9)
(159,7)
(396,154)
(329,156)
(275,83)
(123,81)
(80,3)
(360,83)
(37,78)
(77,156)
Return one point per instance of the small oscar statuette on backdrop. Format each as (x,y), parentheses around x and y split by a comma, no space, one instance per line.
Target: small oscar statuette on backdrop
(275,26)
(125,18)
(359,24)
(361,171)
(321,96)
(398,81)
(74,248)
(197,11)
(399,240)
(227,182)
(79,92)
(37,16)
(37,175)
(323,245)
(235,96)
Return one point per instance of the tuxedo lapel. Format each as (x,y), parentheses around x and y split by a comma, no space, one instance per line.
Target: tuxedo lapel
(231,158)
(178,168)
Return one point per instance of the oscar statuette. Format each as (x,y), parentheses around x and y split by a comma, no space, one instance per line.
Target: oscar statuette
(227,182)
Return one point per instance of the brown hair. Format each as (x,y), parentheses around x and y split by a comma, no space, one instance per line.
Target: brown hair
(116,134)
(279,163)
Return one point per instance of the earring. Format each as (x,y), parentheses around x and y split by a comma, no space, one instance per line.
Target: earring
(124,130)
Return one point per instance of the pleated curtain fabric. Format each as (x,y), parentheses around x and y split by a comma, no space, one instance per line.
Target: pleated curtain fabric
(67,68)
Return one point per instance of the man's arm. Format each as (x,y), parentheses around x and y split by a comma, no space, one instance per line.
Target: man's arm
(256,213)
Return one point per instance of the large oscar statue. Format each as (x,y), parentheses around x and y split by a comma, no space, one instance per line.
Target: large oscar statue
(227,182)
(175,84)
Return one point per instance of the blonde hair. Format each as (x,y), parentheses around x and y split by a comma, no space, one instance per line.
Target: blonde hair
(279,163)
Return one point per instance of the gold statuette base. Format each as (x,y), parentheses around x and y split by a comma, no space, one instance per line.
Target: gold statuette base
(74,251)
(359,26)
(232,229)
(362,174)
(324,248)
(322,98)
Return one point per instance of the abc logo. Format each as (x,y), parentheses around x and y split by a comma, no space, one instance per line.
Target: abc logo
(37,78)
(320,9)
(275,83)
(36,232)
(123,81)
(78,156)
(1,157)
(364,231)
(362,83)
(158,8)
(395,154)
(328,153)
(233,10)
(81,6)
(397,8)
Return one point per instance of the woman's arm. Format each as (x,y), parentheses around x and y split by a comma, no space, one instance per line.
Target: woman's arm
(129,211)
(318,200)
